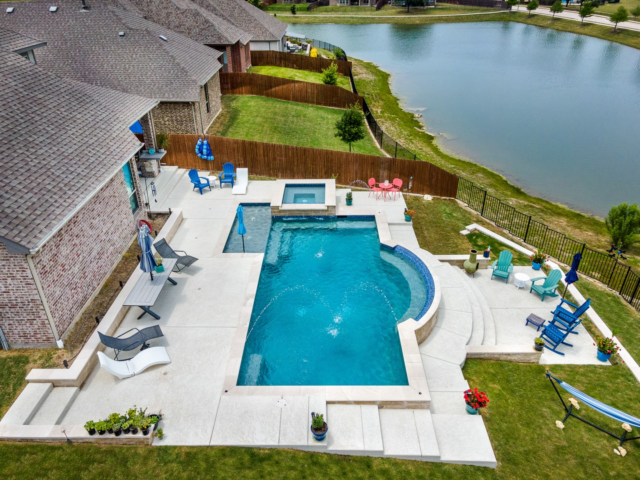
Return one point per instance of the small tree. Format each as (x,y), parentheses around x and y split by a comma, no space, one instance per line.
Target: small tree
(293,9)
(512,3)
(556,8)
(620,15)
(350,128)
(532,5)
(330,74)
(623,225)
(636,12)
(586,10)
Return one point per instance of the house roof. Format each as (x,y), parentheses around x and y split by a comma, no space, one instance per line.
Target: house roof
(18,43)
(242,14)
(148,60)
(189,19)
(61,141)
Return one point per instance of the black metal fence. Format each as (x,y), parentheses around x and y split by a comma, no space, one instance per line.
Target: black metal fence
(597,265)
(327,46)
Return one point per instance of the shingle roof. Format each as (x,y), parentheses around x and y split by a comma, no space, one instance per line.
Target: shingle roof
(189,19)
(242,14)
(61,140)
(18,43)
(86,46)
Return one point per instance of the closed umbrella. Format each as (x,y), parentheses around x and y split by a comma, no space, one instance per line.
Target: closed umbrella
(242,230)
(147,261)
(572,275)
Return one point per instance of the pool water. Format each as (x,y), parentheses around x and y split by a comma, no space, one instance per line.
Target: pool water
(327,306)
(257,220)
(299,193)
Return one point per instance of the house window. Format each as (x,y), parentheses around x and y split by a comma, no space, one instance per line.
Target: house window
(206,96)
(224,57)
(131,186)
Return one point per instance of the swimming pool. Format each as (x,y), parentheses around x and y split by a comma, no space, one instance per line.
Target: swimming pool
(327,306)
(303,193)
(257,220)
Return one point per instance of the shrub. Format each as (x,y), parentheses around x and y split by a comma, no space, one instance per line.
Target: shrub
(330,74)
(636,12)
(623,225)
(339,53)
(293,9)
(350,127)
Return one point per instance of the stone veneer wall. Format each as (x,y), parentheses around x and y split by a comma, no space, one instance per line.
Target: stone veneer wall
(215,102)
(22,316)
(70,266)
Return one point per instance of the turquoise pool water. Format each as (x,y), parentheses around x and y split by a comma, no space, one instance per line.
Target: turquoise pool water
(327,306)
(257,220)
(303,193)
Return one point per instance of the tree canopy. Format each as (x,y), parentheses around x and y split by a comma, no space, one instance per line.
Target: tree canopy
(350,128)
(623,225)
(620,15)
(556,7)
(532,5)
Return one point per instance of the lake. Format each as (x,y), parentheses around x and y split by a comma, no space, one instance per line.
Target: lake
(556,113)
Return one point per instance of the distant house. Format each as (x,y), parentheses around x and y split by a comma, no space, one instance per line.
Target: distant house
(69,195)
(110,47)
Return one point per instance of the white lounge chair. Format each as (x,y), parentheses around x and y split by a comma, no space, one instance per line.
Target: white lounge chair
(242,180)
(135,366)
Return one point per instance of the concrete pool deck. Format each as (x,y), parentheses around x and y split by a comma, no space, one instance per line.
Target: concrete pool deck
(201,316)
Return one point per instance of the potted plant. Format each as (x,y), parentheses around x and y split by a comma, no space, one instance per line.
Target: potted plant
(155,420)
(126,427)
(136,425)
(606,348)
(160,434)
(109,426)
(349,198)
(90,427)
(538,259)
(475,400)
(144,425)
(117,429)
(539,344)
(159,267)
(408,214)
(319,427)
(162,140)
(101,427)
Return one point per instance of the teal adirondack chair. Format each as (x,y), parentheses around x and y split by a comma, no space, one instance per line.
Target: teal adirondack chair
(502,267)
(548,288)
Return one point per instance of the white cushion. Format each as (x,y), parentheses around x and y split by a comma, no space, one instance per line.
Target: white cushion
(143,360)
(241,182)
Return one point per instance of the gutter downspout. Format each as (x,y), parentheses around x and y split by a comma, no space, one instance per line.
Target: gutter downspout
(195,123)
(43,299)
(201,122)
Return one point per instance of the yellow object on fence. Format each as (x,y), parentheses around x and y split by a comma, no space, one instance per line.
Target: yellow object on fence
(313,53)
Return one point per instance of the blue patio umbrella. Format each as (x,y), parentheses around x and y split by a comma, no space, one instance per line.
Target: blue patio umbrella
(206,151)
(199,147)
(572,275)
(147,261)
(242,230)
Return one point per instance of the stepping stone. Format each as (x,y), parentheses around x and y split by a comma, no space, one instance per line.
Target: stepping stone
(464,439)
(426,435)
(247,421)
(27,404)
(443,376)
(450,403)
(446,346)
(399,433)
(293,421)
(354,429)
(55,406)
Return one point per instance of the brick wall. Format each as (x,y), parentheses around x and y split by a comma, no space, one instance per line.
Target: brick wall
(22,316)
(215,102)
(238,57)
(174,117)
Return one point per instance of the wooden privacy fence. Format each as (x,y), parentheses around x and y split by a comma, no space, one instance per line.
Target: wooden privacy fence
(299,62)
(285,161)
(285,89)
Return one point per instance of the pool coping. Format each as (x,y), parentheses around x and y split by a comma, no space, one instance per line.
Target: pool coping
(411,333)
(326,208)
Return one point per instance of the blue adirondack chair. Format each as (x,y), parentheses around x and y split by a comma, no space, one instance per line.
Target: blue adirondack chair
(553,337)
(564,319)
(198,181)
(228,173)
(550,285)
(502,267)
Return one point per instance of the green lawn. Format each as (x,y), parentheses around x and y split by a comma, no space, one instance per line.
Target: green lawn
(609,8)
(441,9)
(289,123)
(301,75)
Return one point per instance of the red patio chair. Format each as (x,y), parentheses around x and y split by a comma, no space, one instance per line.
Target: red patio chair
(373,188)
(397,187)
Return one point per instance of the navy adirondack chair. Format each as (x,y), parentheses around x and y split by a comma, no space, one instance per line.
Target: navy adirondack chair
(198,181)
(550,285)
(553,337)
(502,267)
(565,319)
(228,174)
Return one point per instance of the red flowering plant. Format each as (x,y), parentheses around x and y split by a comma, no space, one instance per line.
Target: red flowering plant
(539,257)
(607,345)
(476,399)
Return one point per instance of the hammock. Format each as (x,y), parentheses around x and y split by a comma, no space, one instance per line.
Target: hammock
(597,406)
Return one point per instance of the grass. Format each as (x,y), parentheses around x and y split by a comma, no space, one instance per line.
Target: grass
(300,75)
(335,11)
(289,123)
(608,8)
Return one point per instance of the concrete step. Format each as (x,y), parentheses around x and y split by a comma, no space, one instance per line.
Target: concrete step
(27,404)
(463,439)
(354,430)
(55,406)
(404,234)
(489,337)
(477,333)
(409,433)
